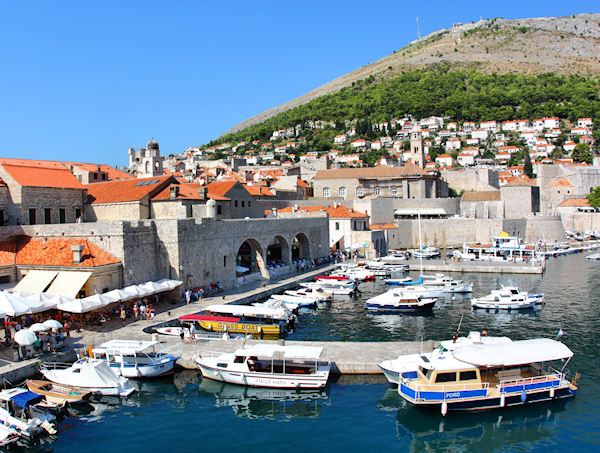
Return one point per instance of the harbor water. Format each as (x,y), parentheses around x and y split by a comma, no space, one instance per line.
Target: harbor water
(363,413)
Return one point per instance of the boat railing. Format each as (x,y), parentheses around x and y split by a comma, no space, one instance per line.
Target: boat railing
(521,382)
(54,365)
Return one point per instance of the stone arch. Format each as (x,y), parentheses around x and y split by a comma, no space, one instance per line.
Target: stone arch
(300,247)
(147,168)
(251,255)
(278,251)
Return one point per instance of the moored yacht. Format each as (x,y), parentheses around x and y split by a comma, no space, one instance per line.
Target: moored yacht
(508,298)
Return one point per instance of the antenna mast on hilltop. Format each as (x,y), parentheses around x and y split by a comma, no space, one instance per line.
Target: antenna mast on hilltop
(418,31)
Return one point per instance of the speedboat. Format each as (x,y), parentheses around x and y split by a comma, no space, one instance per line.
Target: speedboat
(508,298)
(300,301)
(336,287)
(447,283)
(19,410)
(134,359)
(318,294)
(58,393)
(268,365)
(426,252)
(401,300)
(487,376)
(90,374)
(407,365)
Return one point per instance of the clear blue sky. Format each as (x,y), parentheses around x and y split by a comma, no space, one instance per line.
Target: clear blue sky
(86,80)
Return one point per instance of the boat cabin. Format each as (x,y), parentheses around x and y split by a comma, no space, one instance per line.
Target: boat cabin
(279,359)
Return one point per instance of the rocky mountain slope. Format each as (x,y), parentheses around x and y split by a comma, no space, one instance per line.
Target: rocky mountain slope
(563,45)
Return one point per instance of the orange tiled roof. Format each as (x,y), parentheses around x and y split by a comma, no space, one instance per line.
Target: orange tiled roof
(302,183)
(126,190)
(39,173)
(382,226)
(53,252)
(187,191)
(336,213)
(560,182)
(371,172)
(575,203)
(259,190)
(112,173)
(221,187)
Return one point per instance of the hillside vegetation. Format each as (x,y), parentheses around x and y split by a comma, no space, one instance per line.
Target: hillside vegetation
(494,69)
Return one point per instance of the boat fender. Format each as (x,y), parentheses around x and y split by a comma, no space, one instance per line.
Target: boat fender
(551,392)
(444,408)
(502,400)
(523,396)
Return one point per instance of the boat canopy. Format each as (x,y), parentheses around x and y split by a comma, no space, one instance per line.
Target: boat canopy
(25,399)
(208,318)
(280,352)
(248,310)
(513,353)
(125,346)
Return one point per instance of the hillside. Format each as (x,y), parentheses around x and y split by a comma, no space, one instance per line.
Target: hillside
(562,45)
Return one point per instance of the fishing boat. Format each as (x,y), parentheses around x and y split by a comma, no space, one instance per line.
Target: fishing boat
(246,319)
(138,359)
(89,374)
(268,365)
(407,365)
(58,393)
(401,300)
(508,298)
(19,410)
(487,376)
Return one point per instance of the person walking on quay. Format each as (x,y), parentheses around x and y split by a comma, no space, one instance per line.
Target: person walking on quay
(123,315)
(188,296)
(182,334)
(193,333)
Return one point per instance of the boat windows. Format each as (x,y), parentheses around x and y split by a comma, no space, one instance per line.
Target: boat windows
(238,359)
(222,365)
(468,375)
(425,372)
(445,377)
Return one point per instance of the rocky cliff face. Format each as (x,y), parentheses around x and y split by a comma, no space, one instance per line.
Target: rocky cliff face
(563,45)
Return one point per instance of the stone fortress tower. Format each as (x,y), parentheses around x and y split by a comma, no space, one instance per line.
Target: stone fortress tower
(146,162)
(417,152)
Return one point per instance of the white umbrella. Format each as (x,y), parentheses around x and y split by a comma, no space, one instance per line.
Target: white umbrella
(38,327)
(137,290)
(12,305)
(154,287)
(47,301)
(99,299)
(52,324)
(117,295)
(79,306)
(170,284)
(25,337)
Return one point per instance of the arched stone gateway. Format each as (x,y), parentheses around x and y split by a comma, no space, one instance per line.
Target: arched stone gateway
(278,252)
(300,248)
(251,256)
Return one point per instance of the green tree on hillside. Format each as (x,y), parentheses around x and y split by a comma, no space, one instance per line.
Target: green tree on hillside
(582,153)
(594,197)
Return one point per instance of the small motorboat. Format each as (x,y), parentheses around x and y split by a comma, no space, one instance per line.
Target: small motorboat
(58,393)
(268,365)
(87,373)
(402,300)
(508,298)
(19,410)
(318,294)
(593,257)
(8,435)
(300,301)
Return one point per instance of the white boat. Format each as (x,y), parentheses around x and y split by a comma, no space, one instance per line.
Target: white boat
(488,376)
(593,257)
(426,252)
(355,272)
(135,359)
(503,248)
(8,435)
(399,299)
(272,303)
(318,294)
(300,301)
(268,365)
(407,365)
(336,287)
(396,256)
(508,298)
(447,283)
(19,411)
(88,373)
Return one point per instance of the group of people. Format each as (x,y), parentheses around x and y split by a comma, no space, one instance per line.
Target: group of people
(143,309)
(13,324)
(193,294)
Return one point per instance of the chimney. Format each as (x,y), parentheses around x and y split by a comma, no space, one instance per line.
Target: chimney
(295,208)
(335,204)
(203,192)
(77,253)
(173,191)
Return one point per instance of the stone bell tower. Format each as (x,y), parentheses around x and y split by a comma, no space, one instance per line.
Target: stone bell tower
(417,151)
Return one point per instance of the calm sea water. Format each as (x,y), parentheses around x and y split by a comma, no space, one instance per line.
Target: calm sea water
(365,413)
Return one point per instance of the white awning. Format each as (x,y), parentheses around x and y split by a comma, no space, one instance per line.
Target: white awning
(513,353)
(422,211)
(35,281)
(68,283)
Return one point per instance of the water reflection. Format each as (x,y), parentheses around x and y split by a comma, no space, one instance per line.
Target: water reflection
(473,431)
(273,404)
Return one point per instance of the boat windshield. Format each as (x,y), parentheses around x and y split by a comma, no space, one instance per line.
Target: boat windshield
(425,372)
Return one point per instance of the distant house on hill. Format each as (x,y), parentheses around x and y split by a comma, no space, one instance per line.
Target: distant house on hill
(408,181)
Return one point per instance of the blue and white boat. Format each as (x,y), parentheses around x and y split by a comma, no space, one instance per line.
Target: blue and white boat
(403,300)
(135,359)
(487,376)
